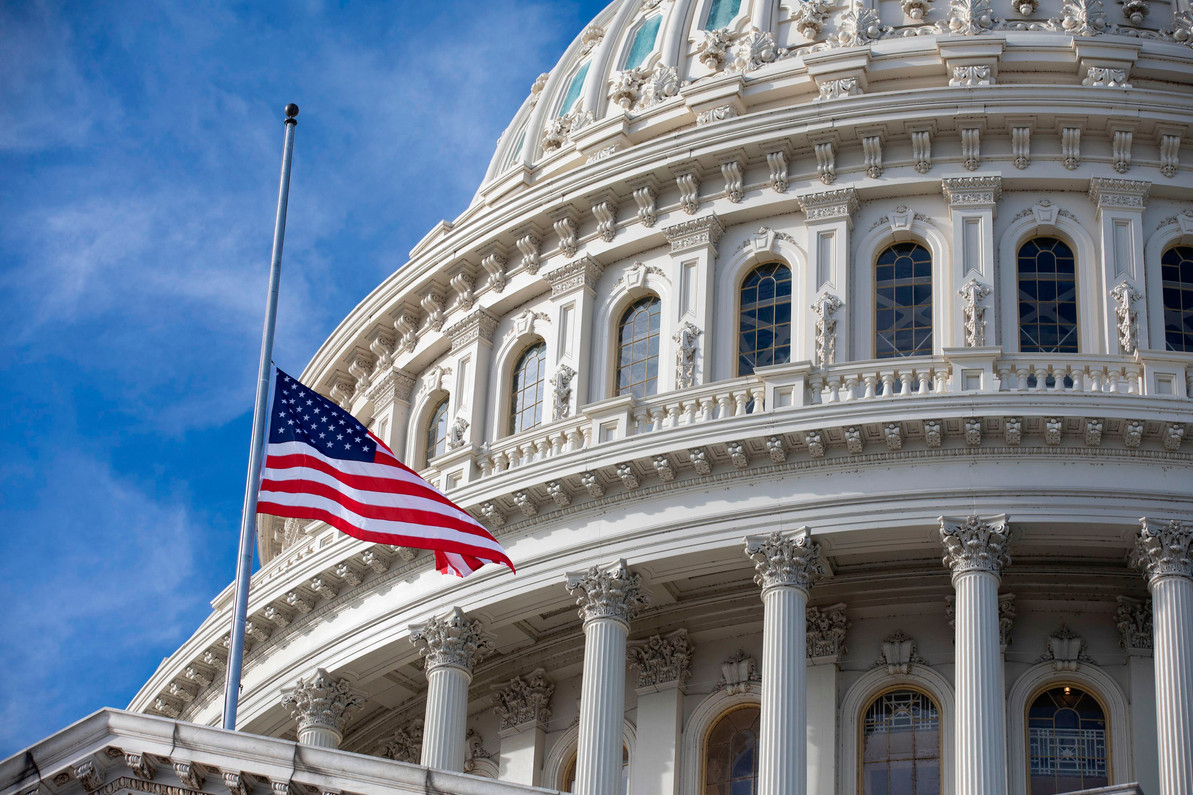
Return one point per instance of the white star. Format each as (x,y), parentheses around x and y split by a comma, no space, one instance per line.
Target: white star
(341,436)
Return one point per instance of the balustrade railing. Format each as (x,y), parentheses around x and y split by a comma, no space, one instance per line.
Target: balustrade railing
(1072,373)
(886,378)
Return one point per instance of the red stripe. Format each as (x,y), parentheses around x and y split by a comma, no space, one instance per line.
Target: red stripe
(416,542)
(362,482)
(368,511)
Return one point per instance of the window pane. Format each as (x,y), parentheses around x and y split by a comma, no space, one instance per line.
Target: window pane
(901,745)
(764,331)
(1047,274)
(573,93)
(730,755)
(436,439)
(1066,739)
(638,348)
(903,301)
(721,13)
(644,41)
(1176,278)
(526,396)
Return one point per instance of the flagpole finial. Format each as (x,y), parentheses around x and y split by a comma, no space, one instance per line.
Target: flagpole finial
(291,112)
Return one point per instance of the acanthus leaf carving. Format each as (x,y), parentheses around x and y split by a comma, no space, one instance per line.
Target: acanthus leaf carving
(739,674)
(685,355)
(826,307)
(561,390)
(612,592)
(786,561)
(973,311)
(826,629)
(662,659)
(1125,296)
(322,702)
(406,744)
(1134,621)
(1164,549)
(525,700)
(974,543)
(454,640)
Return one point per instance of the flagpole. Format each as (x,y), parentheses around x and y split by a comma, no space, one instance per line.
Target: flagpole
(248,517)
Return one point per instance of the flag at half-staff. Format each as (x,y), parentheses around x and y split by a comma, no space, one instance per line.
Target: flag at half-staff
(322,463)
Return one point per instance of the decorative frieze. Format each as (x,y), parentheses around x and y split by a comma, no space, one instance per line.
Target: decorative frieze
(1134,621)
(525,701)
(612,592)
(971,191)
(826,629)
(829,205)
(321,703)
(719,113)
(1119,193)
(453,641)
(839,87)
(662,659)
(786,560)
(975,543)
(1164,548)
(694,233)
(582,273)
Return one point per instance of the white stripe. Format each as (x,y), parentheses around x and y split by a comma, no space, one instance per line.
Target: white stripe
(481,544)
(366,469)
(458,564)
(367,497)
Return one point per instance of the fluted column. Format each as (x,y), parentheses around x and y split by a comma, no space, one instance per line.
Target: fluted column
(1164,551)
(608,599)
(452,645)
(976,552)
(322,706)
(786,566)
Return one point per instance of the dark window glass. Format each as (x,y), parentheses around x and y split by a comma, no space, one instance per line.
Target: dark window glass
(1066,742)
(437,431)
(638,349)
(731,756)
(1047,297)
(1176,277)
(901,745)
(764,334)
(903,302)
(526,388)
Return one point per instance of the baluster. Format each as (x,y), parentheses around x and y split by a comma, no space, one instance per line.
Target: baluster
(1058,377)
(1134,377)
(723,405)
(1096,379)
(905,382)
(816,387)
(942,380)
(586,433)
(673,415)
(656,418)
(834,389)
(888,383)
(575,440)
(871,381)
(528,451)
(1004,376)
(689,410)
(640,417)
(486,465)
(543,446)
(924,377)
(849,387)
(1112,378)
(1021,376)
(758,394)
(706,408)
(739,403)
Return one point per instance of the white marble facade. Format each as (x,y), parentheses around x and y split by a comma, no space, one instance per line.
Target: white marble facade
(814,136)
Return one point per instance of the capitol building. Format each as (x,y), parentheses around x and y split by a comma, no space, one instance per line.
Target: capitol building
(825,368)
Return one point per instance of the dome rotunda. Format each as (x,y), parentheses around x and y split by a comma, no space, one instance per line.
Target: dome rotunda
(762,308)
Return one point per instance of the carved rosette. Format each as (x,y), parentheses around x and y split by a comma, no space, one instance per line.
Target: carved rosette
(321,702)
(1164,549)
(786,561)
(614,592)
(454,641)
(976,543)
(826,631)
(662,659)
(525,701)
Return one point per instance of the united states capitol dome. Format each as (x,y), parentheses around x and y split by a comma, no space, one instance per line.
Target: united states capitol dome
(835,360)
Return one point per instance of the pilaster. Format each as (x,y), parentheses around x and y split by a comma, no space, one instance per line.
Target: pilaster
(472,349)
(322,706)
(390,395)
(973,200)
(1120,204)
(826,643)
(573,295)
(662,665)
(1134,621)
(451,646)
(694,254)
(829,219)
(524,707)
(976,552)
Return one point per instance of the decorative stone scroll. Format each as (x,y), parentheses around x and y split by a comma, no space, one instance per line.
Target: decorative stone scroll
(454,640)
(321,703)
(786,561)
(974,312)
(1125,314)
(975,543)
(662,659)
(525,700)
(613,592)
(826,632)
(685,355)
(899,654)
(1164,549)
(1066,650)
(739,674)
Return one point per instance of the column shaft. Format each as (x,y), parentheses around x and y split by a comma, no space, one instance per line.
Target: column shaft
(602,706)
(445,724)
(782,740)
(319,737)
(1172,620)
(981,708)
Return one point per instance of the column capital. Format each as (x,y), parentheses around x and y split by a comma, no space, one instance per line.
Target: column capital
(612,592)
(786,561)
(321,702)
(662,659)
(1164,548)
(974,191)
(826,632)
(976,543)
(453,641)
(830,205)
(479,325)
(703,232)
(525,701)
(1119,194)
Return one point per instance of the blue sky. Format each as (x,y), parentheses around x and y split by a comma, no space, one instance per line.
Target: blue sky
(139,153)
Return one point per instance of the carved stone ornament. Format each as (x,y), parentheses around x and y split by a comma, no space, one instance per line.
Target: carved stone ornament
(739,674)
(457,434)
(613,592)
(525,700)
(915,9)
(1084,17)
(660,85)
(858,26)
(695,233)
(1125,296)
(829,205)
(1066,650)
(969,17)
(974,312)
(976,543)
(719,113)
(786,561)
(625,87)
(826,307)
(809,17)
(826,631)
(583,273)
(406,744)
(479,325)
(840,87)
(685,355)
(1134,622)
(971,191)
(754,49)
(899,654)
(662,659)
(712,47)
(322,702)
(561,390)
(454,640)
(1164,549)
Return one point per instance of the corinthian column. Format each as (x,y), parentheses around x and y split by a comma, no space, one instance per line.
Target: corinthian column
(1164,550)
(787,566)
(321,705)
(452,646)
(608,599)
(975,549)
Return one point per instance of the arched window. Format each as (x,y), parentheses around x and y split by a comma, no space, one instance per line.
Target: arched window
(1066,742)
(437,432)
(764,332)
(526,388)
(572,95)
(721,13)
(903,301)
(1047,273)
(1176,278)
(638,348)
(901,745)
(731,754)
(643,43)
(569,773)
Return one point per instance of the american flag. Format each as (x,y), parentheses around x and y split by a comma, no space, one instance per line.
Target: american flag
(322,463)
